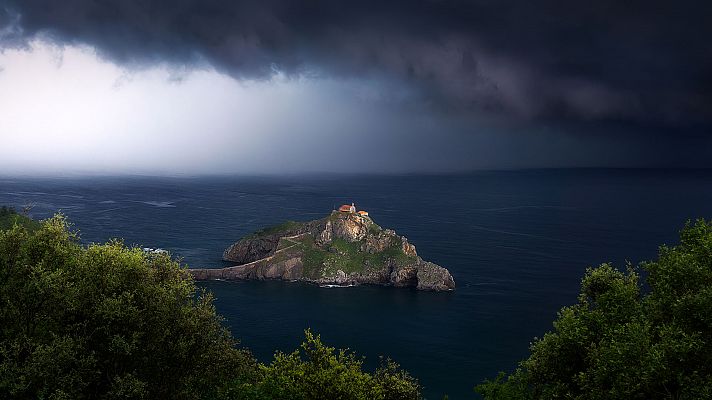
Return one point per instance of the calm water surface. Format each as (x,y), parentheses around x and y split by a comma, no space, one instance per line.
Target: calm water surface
(517,244)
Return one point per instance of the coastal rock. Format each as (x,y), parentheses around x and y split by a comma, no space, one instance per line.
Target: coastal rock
(246,251)
(344,248)
(326,234)
(264,243)
(408,249)
(405,277)
(353,229)
(338,278)
(434,277)
(377,243)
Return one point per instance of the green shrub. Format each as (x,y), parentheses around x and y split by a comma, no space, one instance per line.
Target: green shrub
(621,343)
(105,321)
(316,372)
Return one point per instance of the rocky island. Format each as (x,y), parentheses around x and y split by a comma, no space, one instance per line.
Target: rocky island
(343,248)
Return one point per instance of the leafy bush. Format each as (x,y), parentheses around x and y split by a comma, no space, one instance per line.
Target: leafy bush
(621,343)
(319,372)
(105,321)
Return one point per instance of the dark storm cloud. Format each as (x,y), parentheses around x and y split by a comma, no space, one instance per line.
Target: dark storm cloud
(638,62)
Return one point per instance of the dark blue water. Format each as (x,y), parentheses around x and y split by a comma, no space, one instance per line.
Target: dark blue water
(517,244)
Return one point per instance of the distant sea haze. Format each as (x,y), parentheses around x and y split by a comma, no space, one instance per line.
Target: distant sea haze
(517,244)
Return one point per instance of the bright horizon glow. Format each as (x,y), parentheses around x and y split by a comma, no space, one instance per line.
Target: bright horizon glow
(63,110)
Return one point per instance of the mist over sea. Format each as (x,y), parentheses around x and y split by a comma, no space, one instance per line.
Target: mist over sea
(517,244)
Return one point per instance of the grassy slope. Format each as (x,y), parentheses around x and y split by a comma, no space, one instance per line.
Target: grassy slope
(346,256)
(283,227)
(339,255)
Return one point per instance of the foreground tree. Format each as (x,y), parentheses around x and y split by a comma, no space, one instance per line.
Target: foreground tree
(105,321)
(619,342)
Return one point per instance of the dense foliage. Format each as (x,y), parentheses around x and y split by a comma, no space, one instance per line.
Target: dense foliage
(624,340)
(320,372)
(106,321)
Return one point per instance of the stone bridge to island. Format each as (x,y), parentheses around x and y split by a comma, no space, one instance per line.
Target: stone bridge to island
(278,265)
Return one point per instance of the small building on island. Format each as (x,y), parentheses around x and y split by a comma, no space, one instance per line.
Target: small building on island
(351,209)
(348,208)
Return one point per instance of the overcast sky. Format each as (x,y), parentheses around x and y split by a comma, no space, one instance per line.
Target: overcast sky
(201,87)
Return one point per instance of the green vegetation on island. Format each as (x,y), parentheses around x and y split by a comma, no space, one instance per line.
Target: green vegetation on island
(286,226)
(627,340)
(346,256)
(111,322)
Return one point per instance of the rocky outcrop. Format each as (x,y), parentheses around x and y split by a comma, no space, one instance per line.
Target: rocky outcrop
(246,251)
(264,243)
(348,226)
(340,249)
(434,277)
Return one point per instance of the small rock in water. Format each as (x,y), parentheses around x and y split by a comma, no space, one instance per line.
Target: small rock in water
(151,250)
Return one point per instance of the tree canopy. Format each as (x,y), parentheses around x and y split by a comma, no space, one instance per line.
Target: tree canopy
(316,372)
(104,321)
(627,340)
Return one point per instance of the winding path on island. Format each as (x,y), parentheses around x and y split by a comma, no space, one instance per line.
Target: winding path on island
(203,274)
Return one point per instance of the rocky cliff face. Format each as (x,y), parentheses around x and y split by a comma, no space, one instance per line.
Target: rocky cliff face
(341,249)
(263,243)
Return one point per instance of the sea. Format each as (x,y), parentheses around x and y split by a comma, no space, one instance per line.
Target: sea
(516,242)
